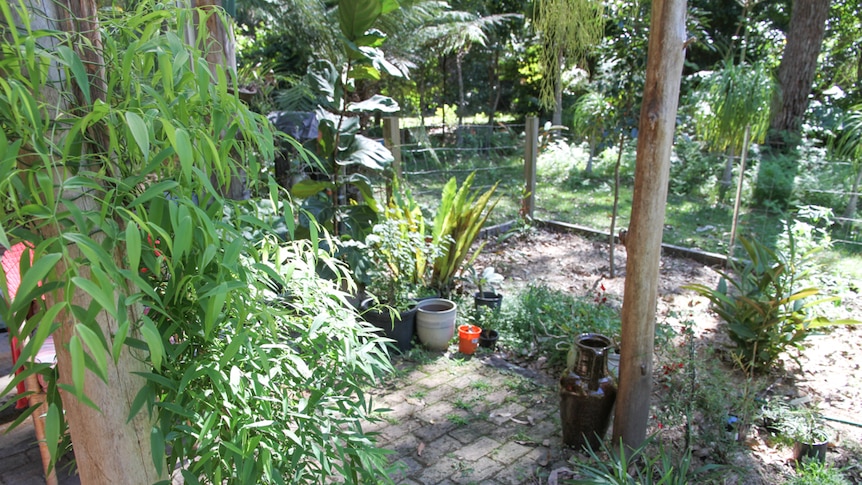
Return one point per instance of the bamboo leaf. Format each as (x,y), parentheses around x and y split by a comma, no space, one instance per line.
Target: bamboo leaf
(183,145)
(76,351)
(52,431)
(139,132)
(79,73)
(157,446)
(133,245)
(31,278)
(153,339)
(97,350)
(103,296)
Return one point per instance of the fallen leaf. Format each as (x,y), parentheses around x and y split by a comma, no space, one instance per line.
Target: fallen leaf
(553,478)
(519,421)
(526,443)
(420,448)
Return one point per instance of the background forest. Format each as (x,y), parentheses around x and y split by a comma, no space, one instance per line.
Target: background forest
(494,61)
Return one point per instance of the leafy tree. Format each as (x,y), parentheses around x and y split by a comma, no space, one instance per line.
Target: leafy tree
(849,146)
(187,334)
(569,29)
(730,100)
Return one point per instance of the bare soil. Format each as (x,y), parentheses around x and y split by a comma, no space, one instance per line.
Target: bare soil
(829,375)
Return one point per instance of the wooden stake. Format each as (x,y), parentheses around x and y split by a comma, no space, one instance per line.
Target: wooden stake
(655,139)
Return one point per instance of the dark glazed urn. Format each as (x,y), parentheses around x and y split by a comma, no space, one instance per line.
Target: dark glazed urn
(587,392)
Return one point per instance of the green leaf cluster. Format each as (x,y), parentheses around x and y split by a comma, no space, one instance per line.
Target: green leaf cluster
(461,215)
(765,310)
(252,367)
(347,158)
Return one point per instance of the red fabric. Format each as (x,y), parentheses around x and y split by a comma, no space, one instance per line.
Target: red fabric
(11,263)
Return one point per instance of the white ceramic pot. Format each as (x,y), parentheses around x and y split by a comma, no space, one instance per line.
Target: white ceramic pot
(435,322)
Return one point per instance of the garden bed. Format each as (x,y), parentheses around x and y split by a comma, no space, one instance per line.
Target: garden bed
(830,374)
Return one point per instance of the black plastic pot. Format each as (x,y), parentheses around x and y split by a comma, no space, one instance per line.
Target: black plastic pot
(488,299)
(810,450)
(488,338)
(400,330)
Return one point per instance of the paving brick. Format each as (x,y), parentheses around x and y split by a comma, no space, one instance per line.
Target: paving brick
(430,432)
(506,412)
(404,446)
(435,413)
(437,379)
(509,452)
(440,393)
(477,449)
(466,434)
(403,468)
(476,472)
(435,450)
(396,430)
(440,471)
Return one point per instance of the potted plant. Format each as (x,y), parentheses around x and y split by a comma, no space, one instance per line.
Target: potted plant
(460,217)
(435,322)
(485,283)
(811,438)
(393,270)
(485,318)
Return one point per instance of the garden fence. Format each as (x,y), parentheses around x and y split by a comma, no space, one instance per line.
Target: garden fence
(427,156)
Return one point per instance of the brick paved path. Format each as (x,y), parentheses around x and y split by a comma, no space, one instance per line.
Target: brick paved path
(474,420)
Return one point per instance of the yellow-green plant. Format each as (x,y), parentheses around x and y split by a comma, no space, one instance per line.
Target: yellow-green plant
(460,217)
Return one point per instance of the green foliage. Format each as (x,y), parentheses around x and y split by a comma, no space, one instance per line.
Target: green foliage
(343,153)
(802,424)
(775,178)
(254,368)
(569,28)
(461,215)
(812,472)
(765,310)
(546,321)
(644,465)
(691,170)
(731,99)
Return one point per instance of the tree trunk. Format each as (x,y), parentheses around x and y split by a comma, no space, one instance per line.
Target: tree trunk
(796,71)
(220,53)
(655,139)
(109,447)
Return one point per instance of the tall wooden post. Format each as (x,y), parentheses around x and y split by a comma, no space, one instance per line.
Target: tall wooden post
(392,140)
(655,139)
(531,153)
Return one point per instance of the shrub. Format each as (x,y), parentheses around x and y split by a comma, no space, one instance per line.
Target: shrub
(548,320)
(765,311)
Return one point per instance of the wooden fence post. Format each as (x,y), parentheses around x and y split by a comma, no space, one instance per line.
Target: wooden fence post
(531,153)
(655,139)
(392,140)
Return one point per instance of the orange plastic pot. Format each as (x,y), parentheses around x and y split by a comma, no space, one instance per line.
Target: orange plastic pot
(468,338)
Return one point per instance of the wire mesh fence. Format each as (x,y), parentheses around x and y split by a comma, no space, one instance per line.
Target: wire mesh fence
(696,220)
